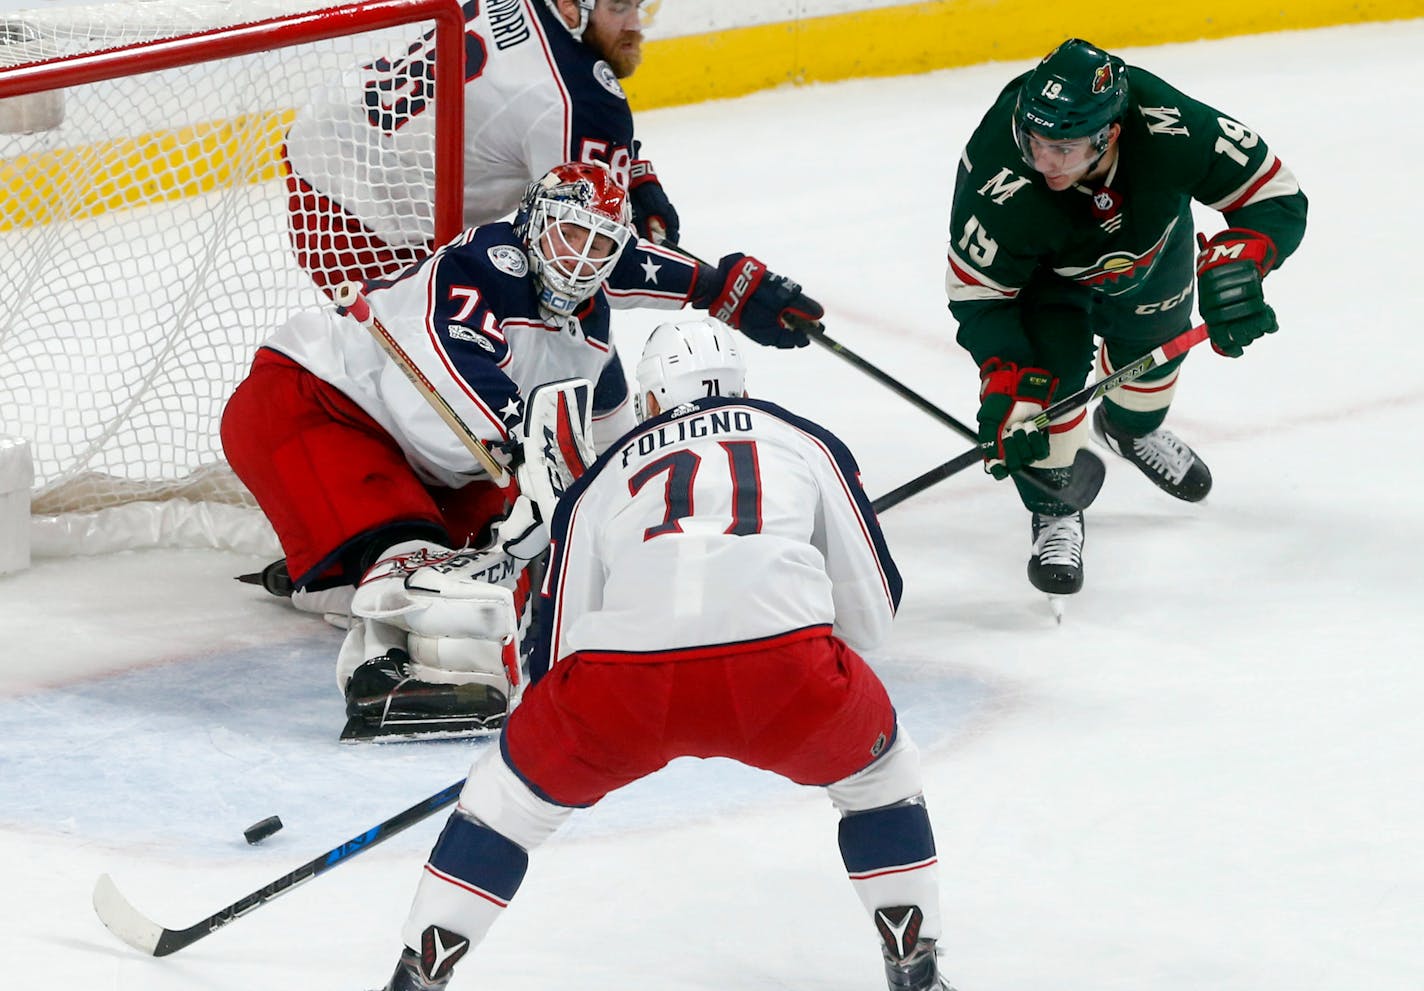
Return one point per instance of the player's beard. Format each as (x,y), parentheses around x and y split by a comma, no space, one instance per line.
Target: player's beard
(623,51)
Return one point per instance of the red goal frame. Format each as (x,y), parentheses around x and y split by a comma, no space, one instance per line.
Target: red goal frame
(279,32)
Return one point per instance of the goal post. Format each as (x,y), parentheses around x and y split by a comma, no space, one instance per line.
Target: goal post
(145,250)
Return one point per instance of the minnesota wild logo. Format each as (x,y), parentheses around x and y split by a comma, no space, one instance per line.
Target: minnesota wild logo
(1118,272)
(1102,78)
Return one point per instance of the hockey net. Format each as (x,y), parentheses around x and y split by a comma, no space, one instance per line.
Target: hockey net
(144,248)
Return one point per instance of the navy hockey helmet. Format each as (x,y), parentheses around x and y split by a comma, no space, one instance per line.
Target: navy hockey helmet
(1077,91)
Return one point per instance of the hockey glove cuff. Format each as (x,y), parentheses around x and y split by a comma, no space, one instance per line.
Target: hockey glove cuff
(1230,267)
(769,308)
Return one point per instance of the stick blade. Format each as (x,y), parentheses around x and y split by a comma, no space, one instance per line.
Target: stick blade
(1087,480)
(123,920)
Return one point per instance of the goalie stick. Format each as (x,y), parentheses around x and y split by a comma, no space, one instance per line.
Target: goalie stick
(147,936)
(1176,347)
(351,302)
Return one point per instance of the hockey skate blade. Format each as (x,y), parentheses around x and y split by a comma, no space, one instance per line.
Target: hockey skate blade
(361,731)
(1058,603)
(123,920)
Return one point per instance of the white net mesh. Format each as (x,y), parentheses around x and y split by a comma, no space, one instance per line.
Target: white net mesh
(144,252)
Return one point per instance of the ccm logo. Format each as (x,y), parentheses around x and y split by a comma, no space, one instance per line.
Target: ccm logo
(746,280)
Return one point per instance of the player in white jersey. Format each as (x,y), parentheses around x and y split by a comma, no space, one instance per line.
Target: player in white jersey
(712,578)
(361,478)
(542,87)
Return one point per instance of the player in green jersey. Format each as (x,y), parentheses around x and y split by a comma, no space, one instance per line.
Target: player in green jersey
(1072,219)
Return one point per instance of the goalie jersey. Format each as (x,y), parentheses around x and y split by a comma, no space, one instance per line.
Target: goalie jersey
(534,97)
(468,316)
(718,524)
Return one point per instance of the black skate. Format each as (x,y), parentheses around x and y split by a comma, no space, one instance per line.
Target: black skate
(430,969)
(1161,455)
(910,962)
(384,703)
(1057,563)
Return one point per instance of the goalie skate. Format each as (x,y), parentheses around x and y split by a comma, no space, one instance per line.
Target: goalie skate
(385,705)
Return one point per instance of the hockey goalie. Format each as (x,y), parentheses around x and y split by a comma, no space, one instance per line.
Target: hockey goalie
(383,513)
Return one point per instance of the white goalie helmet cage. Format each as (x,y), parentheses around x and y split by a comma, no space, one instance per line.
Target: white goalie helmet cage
(575,222)
(688,360)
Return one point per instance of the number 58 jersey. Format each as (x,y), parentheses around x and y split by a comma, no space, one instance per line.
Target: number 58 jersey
(721,523)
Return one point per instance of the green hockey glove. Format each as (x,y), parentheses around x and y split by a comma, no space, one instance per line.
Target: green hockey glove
(1229,271)
(1009,397)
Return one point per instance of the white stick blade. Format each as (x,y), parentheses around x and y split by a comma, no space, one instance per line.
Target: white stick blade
(122,919)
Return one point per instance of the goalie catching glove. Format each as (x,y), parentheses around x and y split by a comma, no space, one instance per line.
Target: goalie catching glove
(557,445)
(1230,268)
(557,438)
(1009,397)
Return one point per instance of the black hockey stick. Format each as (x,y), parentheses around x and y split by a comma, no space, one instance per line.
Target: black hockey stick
(1079,492)
(1088,470)
(1178,345)
(147,936)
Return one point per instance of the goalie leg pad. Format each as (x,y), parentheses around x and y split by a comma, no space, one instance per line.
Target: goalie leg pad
(436,592)
(457,687)
(458,661)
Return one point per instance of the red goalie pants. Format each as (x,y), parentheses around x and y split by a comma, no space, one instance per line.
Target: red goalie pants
(333,245)
(803,705)
(326,474)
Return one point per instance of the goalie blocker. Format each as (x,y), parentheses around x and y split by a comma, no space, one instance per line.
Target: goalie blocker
(434,648)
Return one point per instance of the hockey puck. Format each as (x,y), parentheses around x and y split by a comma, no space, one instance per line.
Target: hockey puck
(259,831)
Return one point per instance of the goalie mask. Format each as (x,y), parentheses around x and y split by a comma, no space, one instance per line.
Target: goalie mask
(686,361)
(575,222)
